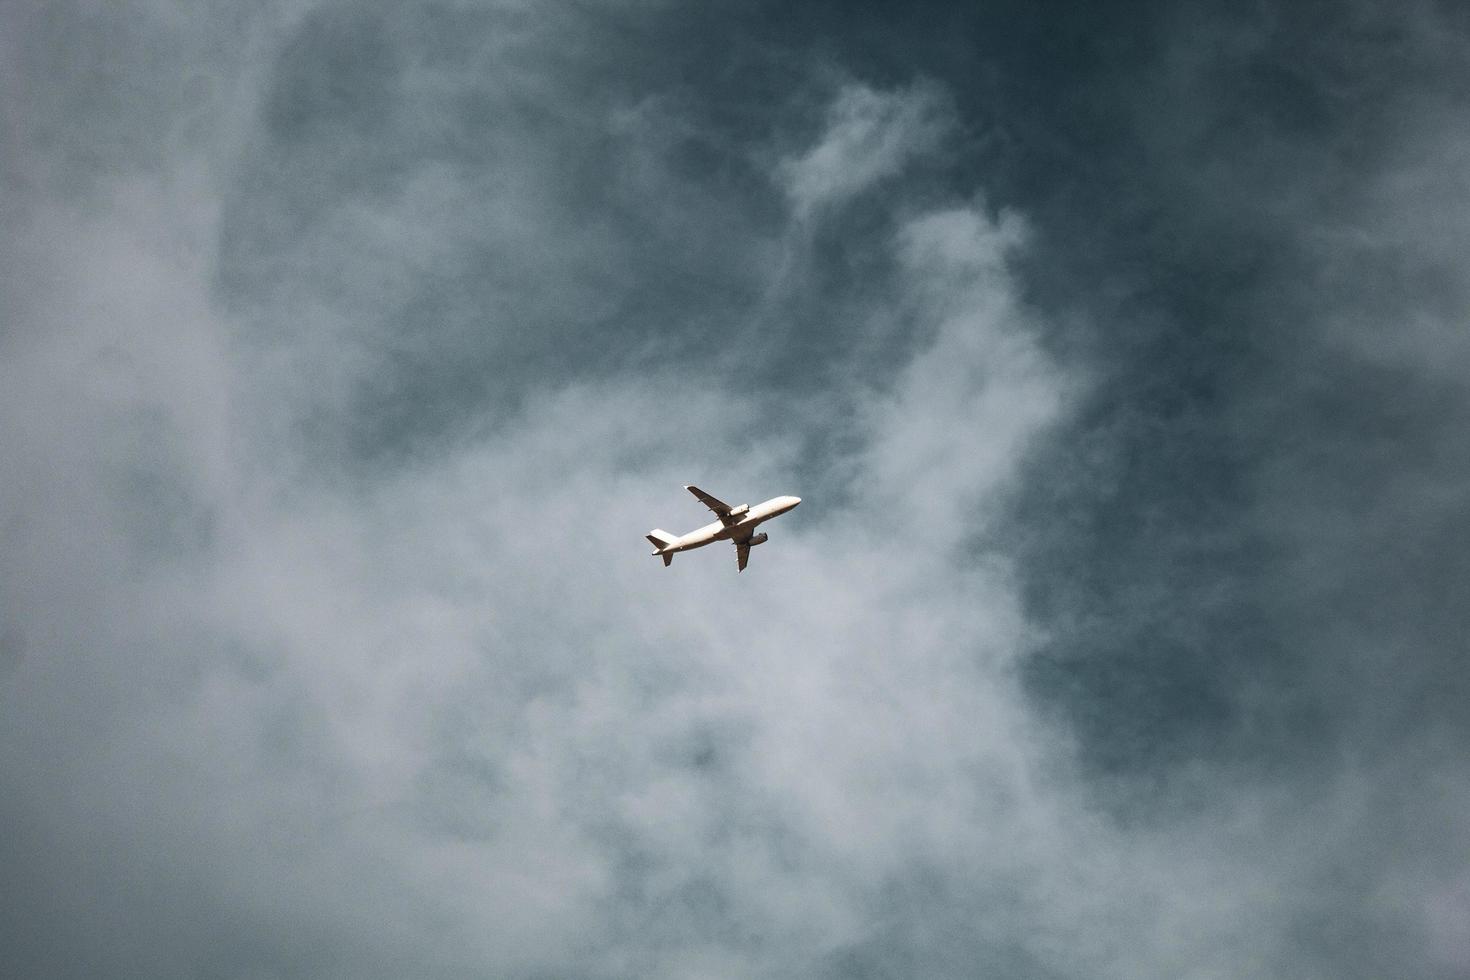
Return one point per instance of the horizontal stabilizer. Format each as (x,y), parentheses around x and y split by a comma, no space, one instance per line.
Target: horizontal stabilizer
(660,540)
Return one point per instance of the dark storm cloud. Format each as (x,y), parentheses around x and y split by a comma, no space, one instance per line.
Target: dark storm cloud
(351,348)
(1265,581)
(1273,437)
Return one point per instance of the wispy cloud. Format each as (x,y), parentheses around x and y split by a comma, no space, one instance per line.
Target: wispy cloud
(870,136)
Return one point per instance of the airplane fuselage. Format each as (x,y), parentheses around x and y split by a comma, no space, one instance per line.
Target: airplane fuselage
(742,527)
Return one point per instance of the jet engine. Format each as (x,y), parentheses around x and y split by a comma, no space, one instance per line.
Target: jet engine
(761,538)
(738,511)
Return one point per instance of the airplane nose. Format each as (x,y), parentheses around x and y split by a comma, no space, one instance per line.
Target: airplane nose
(795,501)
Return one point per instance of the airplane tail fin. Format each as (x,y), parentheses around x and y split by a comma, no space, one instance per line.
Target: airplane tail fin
(661,540)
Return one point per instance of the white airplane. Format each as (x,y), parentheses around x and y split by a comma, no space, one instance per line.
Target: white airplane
(735,524)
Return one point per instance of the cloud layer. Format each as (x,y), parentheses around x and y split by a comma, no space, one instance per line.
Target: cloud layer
(350,349)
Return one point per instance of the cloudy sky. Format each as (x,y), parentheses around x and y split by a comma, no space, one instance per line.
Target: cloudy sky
(1119,352)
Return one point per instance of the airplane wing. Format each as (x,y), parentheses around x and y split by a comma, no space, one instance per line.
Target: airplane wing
(721,509)
(742,548)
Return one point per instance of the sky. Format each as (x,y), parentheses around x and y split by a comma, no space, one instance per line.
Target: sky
(1118,351)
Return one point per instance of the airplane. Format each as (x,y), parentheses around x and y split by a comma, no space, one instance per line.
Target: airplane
(735,524)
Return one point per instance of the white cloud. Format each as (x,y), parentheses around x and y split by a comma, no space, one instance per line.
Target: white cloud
(870,136)
(463,699)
